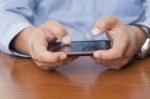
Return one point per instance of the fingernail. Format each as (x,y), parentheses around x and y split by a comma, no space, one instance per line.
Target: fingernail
(67,39)
(96,31)
(63,57)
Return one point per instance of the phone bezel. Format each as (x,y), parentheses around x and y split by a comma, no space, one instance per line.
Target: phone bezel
(86,53)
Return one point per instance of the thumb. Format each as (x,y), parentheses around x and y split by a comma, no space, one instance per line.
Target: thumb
(105,24)
(57,30)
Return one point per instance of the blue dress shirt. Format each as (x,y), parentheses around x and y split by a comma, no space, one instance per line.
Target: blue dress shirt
(77,16)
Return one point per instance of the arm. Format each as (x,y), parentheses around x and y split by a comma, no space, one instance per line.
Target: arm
(33,41)
(126,42)
(15,15)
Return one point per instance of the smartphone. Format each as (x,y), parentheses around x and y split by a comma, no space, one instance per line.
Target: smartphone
(80,48)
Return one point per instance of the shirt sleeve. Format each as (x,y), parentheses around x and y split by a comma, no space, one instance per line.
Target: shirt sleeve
(15,15)
(146,5)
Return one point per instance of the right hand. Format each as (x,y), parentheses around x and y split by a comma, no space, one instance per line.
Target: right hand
(34,42)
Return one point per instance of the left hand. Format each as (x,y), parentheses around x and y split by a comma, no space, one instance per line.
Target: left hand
(126,42)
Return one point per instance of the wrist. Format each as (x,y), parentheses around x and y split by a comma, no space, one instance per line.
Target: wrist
(140,37)
(145,48)
(19,43)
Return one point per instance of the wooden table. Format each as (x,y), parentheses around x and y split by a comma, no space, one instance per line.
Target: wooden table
(82,79)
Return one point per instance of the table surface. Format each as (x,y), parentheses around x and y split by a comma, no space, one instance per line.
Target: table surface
(83,79)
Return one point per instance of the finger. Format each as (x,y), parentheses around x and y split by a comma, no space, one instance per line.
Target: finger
(118,50)
(116,67)
(69,60)
(41,53)
(117,63)
(111,54)
(58,30)
(50,66)
(109,64)
(114,64)
(105,24)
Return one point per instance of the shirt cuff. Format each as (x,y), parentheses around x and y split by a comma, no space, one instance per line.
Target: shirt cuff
(11,33)
(146,23)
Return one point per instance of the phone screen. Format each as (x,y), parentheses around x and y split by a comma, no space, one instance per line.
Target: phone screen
(80,48)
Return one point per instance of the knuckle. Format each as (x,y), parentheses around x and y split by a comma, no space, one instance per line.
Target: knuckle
(46,67)
(100,24)
(61,30)
(43,66)
(40,64)
(98,61)
(40,57)
(103,62)
(34,58)
(56,28)
(113,18)
(53,60)
(129,54)
(51,22)
(125,62)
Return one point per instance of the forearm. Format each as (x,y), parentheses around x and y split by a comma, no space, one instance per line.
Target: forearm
(13,23)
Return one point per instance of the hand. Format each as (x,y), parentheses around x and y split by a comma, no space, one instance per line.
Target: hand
(34,42)
(126,42)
